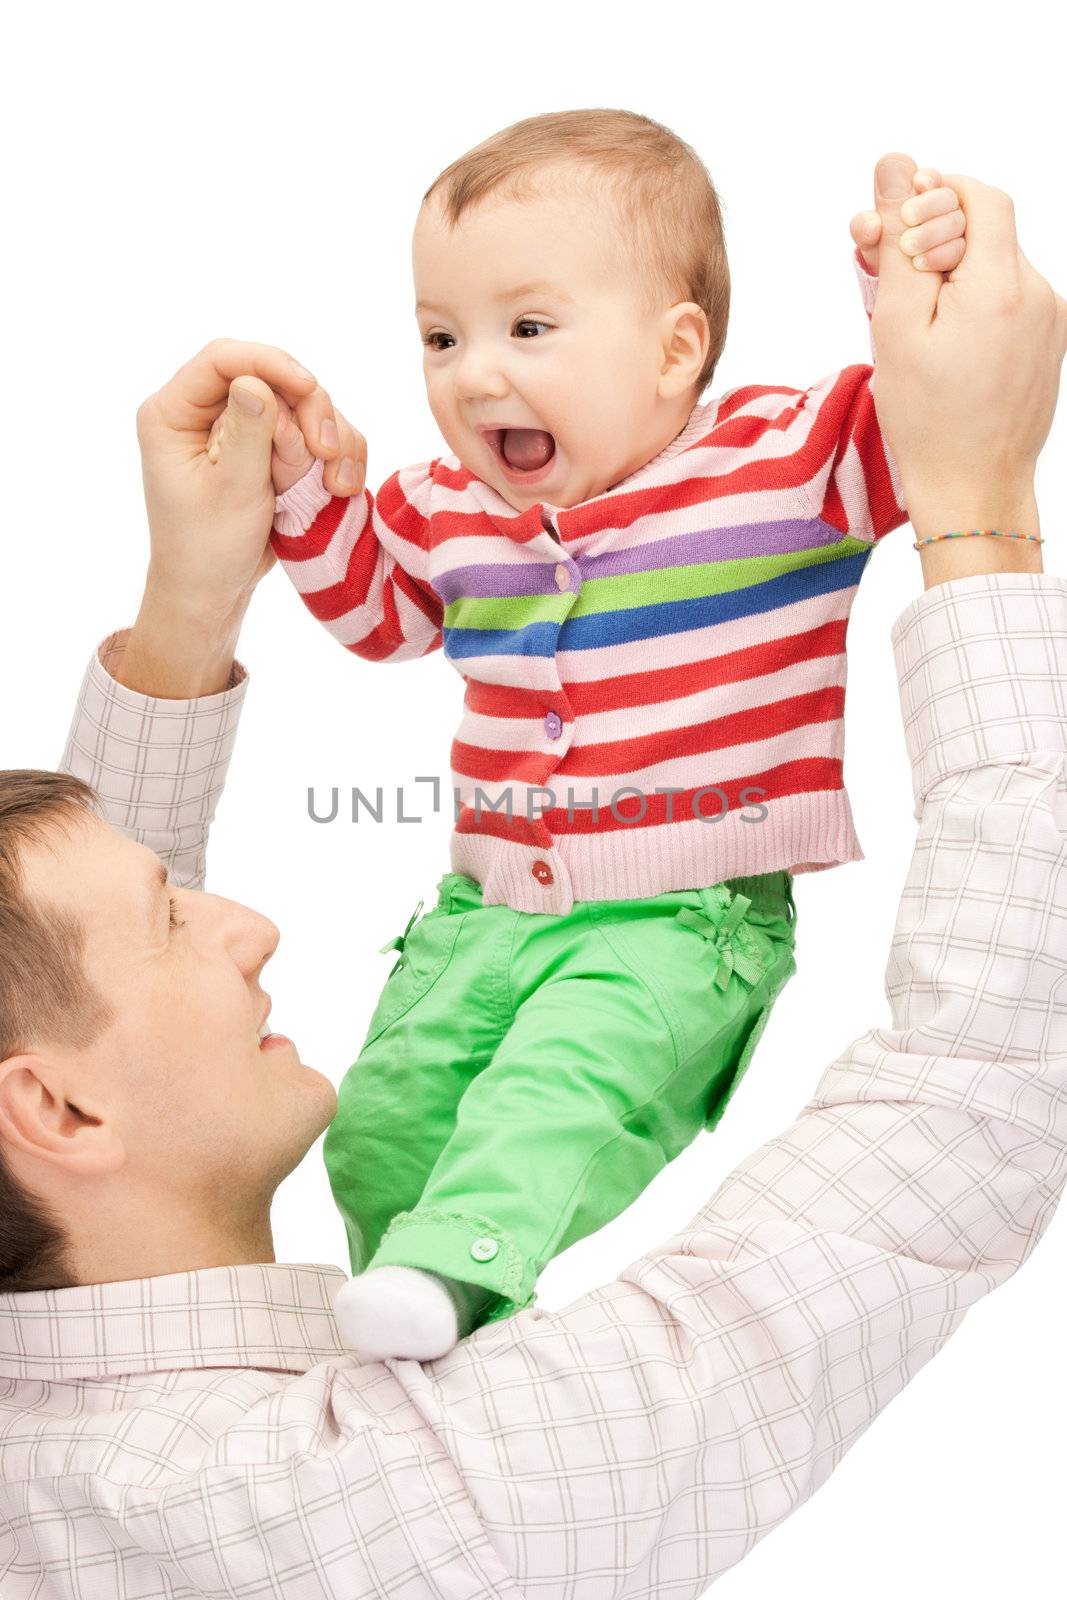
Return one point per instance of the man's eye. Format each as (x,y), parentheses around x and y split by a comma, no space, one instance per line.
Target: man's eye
(175,920)
(530,322)
(430,337)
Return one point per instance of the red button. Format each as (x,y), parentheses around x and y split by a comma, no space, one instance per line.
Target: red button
(542,872)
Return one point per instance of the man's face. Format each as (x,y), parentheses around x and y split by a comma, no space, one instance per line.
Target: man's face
(205,1110)
(574,357)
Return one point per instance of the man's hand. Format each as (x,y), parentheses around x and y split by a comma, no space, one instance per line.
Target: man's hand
(340,445)
(967,372)
(211,505)
(936,225)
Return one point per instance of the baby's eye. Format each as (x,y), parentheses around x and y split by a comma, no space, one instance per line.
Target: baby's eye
(530,322)
(430,337)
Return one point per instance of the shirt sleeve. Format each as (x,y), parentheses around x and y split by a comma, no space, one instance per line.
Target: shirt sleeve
(157,766)
(361,564)
(657,1428)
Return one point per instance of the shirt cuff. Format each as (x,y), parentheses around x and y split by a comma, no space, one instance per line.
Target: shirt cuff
(157,766)
(297,508)
(868,281)
(982,671)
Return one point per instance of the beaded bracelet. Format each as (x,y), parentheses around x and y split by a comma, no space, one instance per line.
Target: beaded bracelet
(971,533)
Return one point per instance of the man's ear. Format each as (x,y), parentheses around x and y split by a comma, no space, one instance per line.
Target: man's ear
(686,339)
(38,1117)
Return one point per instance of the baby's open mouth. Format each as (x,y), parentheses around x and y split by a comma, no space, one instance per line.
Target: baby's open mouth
(522,450)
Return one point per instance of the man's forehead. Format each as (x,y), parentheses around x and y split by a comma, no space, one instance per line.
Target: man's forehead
(84,864)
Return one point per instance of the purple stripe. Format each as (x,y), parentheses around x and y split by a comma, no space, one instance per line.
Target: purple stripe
(713,544)
(496,581)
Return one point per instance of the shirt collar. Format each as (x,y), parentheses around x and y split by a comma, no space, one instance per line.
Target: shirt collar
(267,1315)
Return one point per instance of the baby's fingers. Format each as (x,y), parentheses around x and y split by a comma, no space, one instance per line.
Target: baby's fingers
(937,202)
(922,242)
(866,231)
(942,258)
(924,178)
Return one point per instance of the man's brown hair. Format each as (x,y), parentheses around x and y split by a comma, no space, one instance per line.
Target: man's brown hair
(667,205)
(45,998)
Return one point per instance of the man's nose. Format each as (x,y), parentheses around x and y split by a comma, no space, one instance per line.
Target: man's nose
(249,937)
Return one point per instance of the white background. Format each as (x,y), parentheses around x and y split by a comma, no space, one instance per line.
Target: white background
(175,173)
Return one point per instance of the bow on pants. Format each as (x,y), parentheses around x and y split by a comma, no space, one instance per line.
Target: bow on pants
(720,928)
(401,939)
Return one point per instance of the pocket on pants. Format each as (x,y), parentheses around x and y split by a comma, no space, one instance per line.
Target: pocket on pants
(776,979)
(425,949)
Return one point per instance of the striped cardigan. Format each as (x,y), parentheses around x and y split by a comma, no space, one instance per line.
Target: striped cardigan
(655,678)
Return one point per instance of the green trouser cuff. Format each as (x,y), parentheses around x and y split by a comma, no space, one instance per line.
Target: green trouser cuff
(469,1248)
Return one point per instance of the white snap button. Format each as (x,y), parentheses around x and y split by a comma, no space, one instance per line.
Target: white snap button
(484,1249)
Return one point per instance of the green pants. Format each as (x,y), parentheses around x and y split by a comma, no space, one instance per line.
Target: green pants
(525,1076)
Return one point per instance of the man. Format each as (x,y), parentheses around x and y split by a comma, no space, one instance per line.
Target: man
(182,1420)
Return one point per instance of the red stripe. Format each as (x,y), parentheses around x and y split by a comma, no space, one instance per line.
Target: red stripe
(792,777)
(745,396)
(505,700)
(400,516)
(319,533)
(630,690)
(621,756)
(494,766)
(338,599)
(385,639)
(497,825)
(427,600)
(739,727)
(633,689)
(885,513)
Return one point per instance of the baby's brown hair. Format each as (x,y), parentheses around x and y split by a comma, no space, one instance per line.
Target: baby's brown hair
(668,208)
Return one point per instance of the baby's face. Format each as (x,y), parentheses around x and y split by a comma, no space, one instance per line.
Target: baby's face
(530,317)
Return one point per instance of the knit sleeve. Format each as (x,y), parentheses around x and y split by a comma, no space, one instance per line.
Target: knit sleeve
(361,564)
(855,483)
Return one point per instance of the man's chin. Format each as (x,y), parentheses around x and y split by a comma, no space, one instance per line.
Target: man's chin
(317,1084)
(308,1106)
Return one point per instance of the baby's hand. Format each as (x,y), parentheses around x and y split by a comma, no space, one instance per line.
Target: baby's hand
(934,237)
(335,441)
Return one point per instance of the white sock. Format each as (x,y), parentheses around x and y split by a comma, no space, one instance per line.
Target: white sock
(398,1312)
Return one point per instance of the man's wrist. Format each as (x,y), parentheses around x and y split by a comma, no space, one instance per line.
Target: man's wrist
(179,650)
(944,559)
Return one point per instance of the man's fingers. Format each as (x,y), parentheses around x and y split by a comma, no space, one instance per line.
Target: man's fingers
(992,258)
(348,472)
(198,391)
(317,421)
(244,439)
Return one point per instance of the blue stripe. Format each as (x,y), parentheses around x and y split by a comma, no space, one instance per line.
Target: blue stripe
(536,639)
(682,616)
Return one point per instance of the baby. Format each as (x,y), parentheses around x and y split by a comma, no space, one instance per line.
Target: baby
(646,597)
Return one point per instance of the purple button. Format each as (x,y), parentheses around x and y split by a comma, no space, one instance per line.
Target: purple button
(553,725)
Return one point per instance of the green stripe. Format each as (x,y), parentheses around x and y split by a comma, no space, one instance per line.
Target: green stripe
(711,577)
(516,611)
